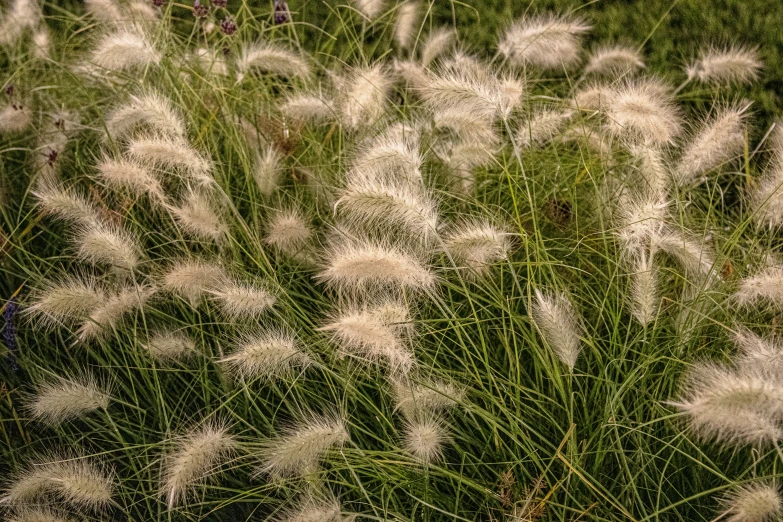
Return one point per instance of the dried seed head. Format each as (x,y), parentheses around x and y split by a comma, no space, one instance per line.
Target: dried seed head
(268,170)
(67,398)
(272,354)
(364,99)
(288,232)
(417,400)
(71,298)
(559,324)
(169,346)
(310,108)
(123,174)
(241,300)
(198,217)
(272,59)
(758,502)
(732,65)
(438,42)
(642,111)
(123,50)
(171,153)
(102,243)
(476,245)
(543,126)
(424,438)
(68,205)
(117,305)
(614,61)
(545,41)
(151,111)
(764,287)
(15,118)
(191,279)
(407,17)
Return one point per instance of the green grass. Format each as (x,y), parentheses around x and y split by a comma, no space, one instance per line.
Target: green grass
(598,444)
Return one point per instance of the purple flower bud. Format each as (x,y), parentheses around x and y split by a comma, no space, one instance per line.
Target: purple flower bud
(9,333)
(199,10)
(158,3)
(220,3)
(282,14)
(228,26)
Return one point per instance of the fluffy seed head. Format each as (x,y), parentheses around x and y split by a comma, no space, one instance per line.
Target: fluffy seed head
(193,458)
(542,127)
(169,346)
(438,42)
(733,407)
(373,333)
(191,279)
(299,448)
(67,398)
(766,199)
(693,255)
(370,8)
(67,205)
(268,170)
(640,219)
(654,171)
(123,174)
(198,217)
(732,65)
(364,97)
(544,41)
(764,287)
(113,310)
(288,232)
(242,300)
(272,354)
(14,119)
(407,16)
(390,156)
(38,514)
(476,245)
(418,400)
(466,87)
(70,298)
(720,139)
(310,108)
(170,153)
(757,502)
(123,50)
(759,354)
(272,59)
(642,111)
(644,290)
(151,111)
(102,243)
(360,265)
(315,510)
(559,325)
(424,439)
(614,61)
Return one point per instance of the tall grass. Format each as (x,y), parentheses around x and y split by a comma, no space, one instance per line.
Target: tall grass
(261,269)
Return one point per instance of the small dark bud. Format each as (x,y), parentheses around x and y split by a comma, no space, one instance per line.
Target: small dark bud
(228,26)
(51,157)
(220,3)
(158,3)
(199,10)
(282,14)
(9,91)
(9,333)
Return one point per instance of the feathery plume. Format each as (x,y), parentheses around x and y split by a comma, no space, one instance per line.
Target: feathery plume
(388,157)
(150,110)
(559,325)
(20,16)
(288,232)
(424,438)
(169,346)
(544,41)
(644,290)
(198,217)
(592,97)
(268,170)
(26,486)
(210,61)
(106,11)
(41,43)
(363,100)
(758,502)
(67,205)
(694,256)
(438,42)
(764,287)
(376,203)
(373,333)
(123,50)
(123,174)
(194,457)
(15,118)
(191,279)
(472,91)
(642,111)
(359,265)
(720,139)
(411,74)
(299,448)
(309,108)
(158,152)
(70,298)
(81,482)
(272,59)
(316,510)
(614,61)
(543,126)
(113,310)
(407,16)
(67,398)
(641,219)
(38,514)
(732,65)
(370,9)
(416,400)
(759,354)
(732,407)
(476,245)
(654,171)
(102,243)
(272,354)
(766,199)
(241,300)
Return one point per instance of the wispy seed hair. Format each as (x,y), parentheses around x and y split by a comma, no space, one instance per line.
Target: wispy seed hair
(193,458)
(103,243)
(123,174)
(123,50)
(191,279)
(315,510)
(69,298)
(113,310)
(720,139)
(65,204)
(165,346)
(270,354)
(425,438)
(407,17)
(559,324)
(543,126)
(150,110)
(476,244)
(300,447)
(310,108)
(38,514)
(364,96)
(736,64)
(761,354)
(549,42)
(67,398)
(242,300)
(370,8)
(268,170)
(438,42)
(198,216)
(171,153)
(614,61)
(361,265)
(288,231)
(645,300)
(755,502)
(643,111)
(15,118)
(416,400)
(764,287)
(273,59)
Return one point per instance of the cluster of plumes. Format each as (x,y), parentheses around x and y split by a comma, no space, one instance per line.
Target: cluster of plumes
(391,237)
